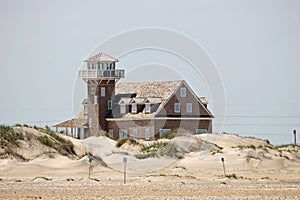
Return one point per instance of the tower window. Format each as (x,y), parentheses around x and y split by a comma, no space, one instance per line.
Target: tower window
(122,109)
(177,107)
(148,108)
(85,108)
(90,122)
(133,108)
(95,99)
(189,107)
(183,92)
(109,104)
(102,91)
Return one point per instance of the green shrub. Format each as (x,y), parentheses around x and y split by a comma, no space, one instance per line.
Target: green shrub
(25,125)
(45,140)
(157,149)
(231,176)
(8,134)
(120,142)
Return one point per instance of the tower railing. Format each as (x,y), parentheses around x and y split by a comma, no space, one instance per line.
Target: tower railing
(96,73)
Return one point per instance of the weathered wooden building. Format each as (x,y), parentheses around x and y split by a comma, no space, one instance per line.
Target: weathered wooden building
(142,110)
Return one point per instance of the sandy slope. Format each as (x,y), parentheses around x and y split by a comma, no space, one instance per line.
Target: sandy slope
(264,172)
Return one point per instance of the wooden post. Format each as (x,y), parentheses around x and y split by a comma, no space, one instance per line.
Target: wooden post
(223,161)
(295,140)
(90,167)
(124,161)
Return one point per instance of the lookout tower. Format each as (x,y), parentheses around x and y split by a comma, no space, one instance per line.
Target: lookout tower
(101,76)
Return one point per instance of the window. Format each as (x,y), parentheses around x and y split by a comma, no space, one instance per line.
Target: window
(189,107)
(122,109)
(133,108)
(109,105)
(183,92)
(85,108)
(95,99)
(102,91)
(199,131)
(135,134)
(177,107)
(147,134)
(111,132)
(90,122)
(163,131)
(148,109)
(123,133)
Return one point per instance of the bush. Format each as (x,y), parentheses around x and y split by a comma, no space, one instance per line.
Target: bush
(157,149)
(9,135)
(120,142)
(45,140)
(231,176)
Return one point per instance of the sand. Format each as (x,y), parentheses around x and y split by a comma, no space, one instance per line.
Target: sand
(253,173)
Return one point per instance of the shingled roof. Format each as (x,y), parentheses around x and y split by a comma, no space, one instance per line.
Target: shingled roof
(101,57)
(162,90)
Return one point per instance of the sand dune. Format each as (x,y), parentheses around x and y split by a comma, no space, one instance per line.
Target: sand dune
(254,169)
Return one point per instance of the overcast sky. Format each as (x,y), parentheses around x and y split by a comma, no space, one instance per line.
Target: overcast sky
(254,44)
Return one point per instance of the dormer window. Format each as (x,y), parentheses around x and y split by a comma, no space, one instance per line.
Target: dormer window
(122,109)
(133,108)
(147,107)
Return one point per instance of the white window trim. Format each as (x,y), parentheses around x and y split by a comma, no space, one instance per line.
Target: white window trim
(135,134)
(109,105)
(122,109)
(183,92)
(102,92)
(111,132)
(90,122)
(123,133)
(163,131)
(147,134)
(133,108)
(85,109)
(147,108)
(175,106)
(95,99)
(189,105)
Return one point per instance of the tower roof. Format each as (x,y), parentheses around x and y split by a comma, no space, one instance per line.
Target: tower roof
(101,57)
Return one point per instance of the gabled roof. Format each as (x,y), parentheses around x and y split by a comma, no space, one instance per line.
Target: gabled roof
(74,123)
(101,57)
(156,91)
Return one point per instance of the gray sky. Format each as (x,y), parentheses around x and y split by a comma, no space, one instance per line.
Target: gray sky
(255,45)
